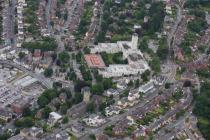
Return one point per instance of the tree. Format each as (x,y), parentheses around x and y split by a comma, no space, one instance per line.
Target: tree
(68,93)
(28,122)
(42,101)
(197,25)
(47,110)
(57,85)
(108,130)
(79,85)
(65,120)
(50,94)
(91,107)
(177,95)
(187,84)
(64,57)
(24,122)
(5,136)
(48,72)
(180,113)
(202,110)
(102,106)
(47,44)
(79,56)
(21,55)
(97,89)
(78,97)
(144,76)
(107,83)
(137,83)
(162,51)
(143,46)
(87,50)
(46,97)
(54,56)
(155,64)
(167,85)
(130,84)
(26,112)
(92,137)
(85,73)
(72,75)
(157,14)
(63,108)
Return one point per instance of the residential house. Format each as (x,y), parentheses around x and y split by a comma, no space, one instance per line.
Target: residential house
(133,95)
(77,129)
(101,137)
(112,110)
(94,121)
(146,87)
(63,135)
(19,105)
(111,92)
(5,115)
(54,118)
(33,132)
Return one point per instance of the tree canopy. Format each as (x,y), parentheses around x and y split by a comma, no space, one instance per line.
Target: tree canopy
(202,110)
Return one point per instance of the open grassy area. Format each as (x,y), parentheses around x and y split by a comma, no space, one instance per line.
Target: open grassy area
(115,58)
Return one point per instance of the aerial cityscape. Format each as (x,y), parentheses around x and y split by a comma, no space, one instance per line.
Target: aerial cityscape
(104,69)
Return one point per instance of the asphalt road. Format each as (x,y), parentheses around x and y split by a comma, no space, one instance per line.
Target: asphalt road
(9,22)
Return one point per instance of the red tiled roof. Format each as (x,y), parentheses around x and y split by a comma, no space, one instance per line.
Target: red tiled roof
(94,61)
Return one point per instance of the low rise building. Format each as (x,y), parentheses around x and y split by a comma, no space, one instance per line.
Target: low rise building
(19,105)
(17,137)
(133,95)
(77,130)
(111,92)
(101,137)
(63,135)
(136,65)
(121,85)
(141,131)
(94,61)
(94,121)
(112,110)
(33,132)
(120,128)
(146,87)
(123,103)
(5,115)
(54,118)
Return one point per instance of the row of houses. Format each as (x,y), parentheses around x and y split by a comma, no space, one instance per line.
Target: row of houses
(20,7)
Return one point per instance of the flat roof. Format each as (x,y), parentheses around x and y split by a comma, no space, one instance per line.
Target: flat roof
(55,115)
(94,61)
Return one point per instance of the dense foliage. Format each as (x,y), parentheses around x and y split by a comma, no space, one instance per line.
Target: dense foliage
(202,110)
(47,44)
(115,58)
(194,3)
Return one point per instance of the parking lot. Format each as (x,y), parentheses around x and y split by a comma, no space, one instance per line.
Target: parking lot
(14,85)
